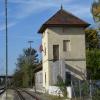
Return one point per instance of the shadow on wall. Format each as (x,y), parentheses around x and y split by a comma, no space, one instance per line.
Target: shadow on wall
(63,31)
(76,71)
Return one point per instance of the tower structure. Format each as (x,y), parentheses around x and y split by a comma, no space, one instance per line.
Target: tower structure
(63,41)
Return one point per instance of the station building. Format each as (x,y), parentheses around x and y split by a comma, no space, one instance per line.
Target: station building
(63,54)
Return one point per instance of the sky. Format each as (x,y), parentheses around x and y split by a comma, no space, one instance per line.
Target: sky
(24,20)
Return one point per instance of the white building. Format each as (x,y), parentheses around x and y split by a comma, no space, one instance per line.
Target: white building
(63,41)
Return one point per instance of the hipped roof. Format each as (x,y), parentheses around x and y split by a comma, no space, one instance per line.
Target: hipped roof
(63,19)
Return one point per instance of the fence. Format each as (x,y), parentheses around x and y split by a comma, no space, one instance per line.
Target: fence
(86,90)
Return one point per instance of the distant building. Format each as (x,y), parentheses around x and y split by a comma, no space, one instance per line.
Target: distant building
(3,80)
(63,42)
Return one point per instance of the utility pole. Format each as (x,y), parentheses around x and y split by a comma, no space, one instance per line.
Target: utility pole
(30,43)
(6,22)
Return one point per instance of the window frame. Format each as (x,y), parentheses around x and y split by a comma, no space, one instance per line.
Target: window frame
(55,59)
(66,45)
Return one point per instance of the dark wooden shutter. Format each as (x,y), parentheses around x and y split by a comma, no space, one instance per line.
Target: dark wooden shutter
(56,52)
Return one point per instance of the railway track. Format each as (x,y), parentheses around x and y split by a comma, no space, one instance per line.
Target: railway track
(25,95)
(19,94)
(2,90)
(33,96)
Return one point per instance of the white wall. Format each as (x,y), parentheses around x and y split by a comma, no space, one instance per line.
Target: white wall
(39,80)
(75,58)
(77,40)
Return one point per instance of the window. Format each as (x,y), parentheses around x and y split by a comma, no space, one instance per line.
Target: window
(45,78)
(68,79)
(56,52)
(44,49)
(66,45)
(40,78)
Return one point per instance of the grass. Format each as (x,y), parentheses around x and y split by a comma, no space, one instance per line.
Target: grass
(51,97)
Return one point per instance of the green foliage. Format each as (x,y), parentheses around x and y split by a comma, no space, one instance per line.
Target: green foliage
(18,79)
(85,89)
(93,63)
(61,85)
(96,10)
(92,39)
(26,63)
(93,55)
(96,13)
(96,96)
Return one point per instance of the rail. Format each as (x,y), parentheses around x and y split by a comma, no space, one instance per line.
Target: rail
(33,96)
(19,92)
(2,90)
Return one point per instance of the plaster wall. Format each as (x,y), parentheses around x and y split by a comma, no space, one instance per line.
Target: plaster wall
(39,80)
(74,58)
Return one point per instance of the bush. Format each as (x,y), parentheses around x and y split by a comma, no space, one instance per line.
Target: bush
(61,85)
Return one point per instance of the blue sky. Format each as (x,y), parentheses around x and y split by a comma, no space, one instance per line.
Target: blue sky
(25,18)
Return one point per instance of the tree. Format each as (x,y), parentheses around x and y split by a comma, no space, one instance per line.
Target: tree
(93,55)
(96,12)
(93,63)
(25,66)
(31,62)
(92,39)
(17,79)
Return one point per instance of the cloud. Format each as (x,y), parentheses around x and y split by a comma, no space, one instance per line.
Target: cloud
(24,8)
(41,1)
(27,37)
(19,1)
(80,10)
(3,27)
(28,7)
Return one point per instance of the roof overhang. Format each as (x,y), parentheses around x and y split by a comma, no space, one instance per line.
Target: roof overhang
(38,68)
(44,26)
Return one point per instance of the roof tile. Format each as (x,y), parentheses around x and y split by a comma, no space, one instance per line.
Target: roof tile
(63,18)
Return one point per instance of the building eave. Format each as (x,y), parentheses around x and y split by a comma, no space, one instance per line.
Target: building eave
(44,26)
(38,68)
